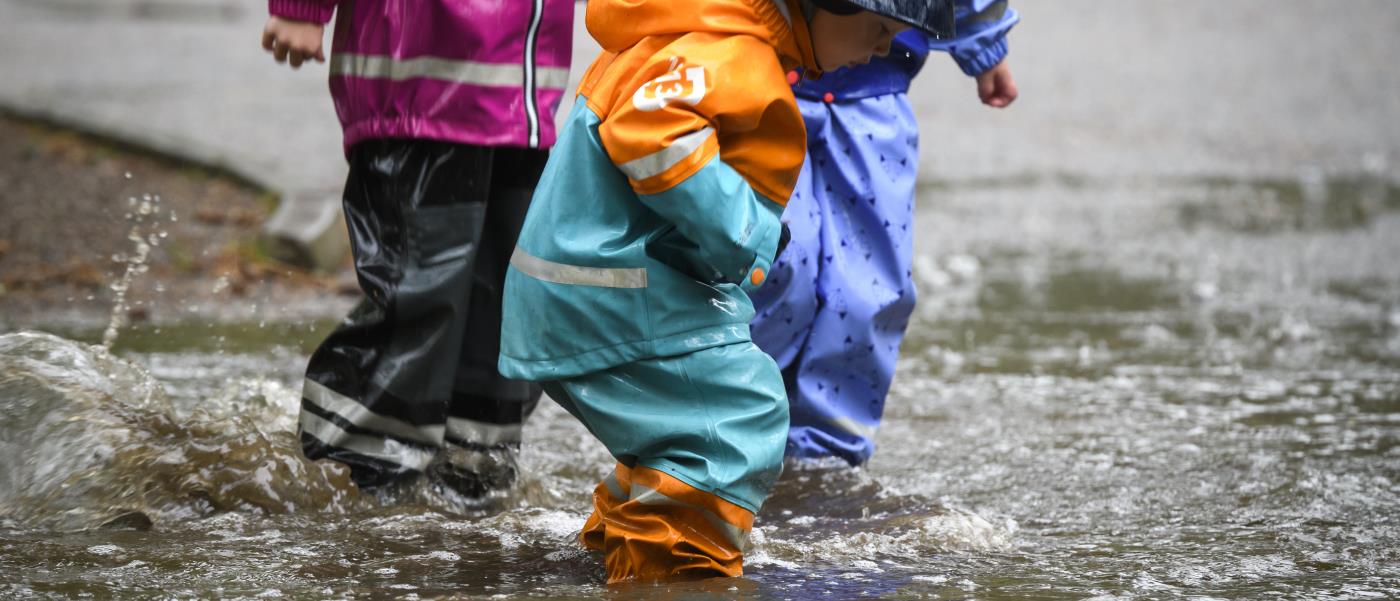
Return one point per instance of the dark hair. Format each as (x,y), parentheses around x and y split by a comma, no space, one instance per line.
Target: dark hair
(838,7)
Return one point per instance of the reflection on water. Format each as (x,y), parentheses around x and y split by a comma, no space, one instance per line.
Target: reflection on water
(1110,390)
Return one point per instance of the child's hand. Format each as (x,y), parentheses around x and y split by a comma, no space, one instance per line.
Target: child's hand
(297,41)
(995,86)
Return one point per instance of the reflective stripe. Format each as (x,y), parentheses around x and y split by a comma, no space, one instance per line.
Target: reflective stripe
(459,71)
(482,433)
(658,162)
(734,534)
(614,487)
(854,427)
(351,411)
(383,449)
(560,273)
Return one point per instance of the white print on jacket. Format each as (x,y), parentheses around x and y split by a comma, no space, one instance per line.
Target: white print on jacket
(679,84)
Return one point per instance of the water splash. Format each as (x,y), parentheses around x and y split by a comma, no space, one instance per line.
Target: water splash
(144,236)
(97,443)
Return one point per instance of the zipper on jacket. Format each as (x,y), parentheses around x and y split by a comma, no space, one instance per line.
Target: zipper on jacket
(532,110)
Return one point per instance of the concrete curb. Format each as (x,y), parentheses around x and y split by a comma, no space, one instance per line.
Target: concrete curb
(306,230)
(185,80)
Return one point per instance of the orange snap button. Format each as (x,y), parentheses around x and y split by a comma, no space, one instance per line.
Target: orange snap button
(757,276)
(829,97)
(792,78)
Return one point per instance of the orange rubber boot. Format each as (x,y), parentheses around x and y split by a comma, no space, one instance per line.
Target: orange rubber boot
(611,492)
(666,529)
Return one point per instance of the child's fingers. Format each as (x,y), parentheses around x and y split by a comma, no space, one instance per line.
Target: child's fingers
(320,55)
(986,89)
(267,39)
(1009,93)
(279,52)
(296,57)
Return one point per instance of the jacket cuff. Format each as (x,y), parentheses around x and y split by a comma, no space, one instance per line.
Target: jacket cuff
(757,272)
(984,58)
(314,11)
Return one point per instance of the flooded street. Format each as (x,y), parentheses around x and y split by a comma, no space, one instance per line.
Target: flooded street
(1127,389)
(1156,355)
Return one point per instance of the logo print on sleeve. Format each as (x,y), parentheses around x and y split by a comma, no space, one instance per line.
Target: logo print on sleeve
(679,84)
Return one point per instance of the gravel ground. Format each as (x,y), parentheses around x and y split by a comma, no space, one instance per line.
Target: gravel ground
(70,206)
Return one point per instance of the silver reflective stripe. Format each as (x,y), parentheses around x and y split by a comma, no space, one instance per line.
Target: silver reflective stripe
(458,71)
(351,411)
(734,534)
(560,273)
(854,427)
(614,487)
(383,449)
(658,162)
(482,433)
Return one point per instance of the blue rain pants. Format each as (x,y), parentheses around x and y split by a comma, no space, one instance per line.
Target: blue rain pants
(838,300)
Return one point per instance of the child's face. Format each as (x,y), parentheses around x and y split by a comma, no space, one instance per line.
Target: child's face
(847,40)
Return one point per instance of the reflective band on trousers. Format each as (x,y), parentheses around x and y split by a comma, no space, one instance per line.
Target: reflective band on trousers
(854,427)
(383,449)
(560,273)
(658,162)
(482,433)
(353,412)
(646,496)
(458,71)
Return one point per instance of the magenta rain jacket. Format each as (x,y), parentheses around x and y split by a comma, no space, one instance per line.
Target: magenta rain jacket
(482,72)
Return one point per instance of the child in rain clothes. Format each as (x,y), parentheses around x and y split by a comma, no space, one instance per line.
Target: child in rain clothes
(447,109)
(838,300)
(657,215)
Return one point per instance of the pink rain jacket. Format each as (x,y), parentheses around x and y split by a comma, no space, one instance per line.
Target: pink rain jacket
(482,72)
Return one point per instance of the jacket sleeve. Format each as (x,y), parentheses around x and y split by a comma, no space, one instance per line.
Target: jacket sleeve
(314,11)
(980,41)
(710,139)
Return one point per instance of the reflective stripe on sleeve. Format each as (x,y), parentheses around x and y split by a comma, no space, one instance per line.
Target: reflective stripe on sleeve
(658,162)
(560,273)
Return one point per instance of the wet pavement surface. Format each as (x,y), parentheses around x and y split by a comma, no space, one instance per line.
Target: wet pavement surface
(1156,355)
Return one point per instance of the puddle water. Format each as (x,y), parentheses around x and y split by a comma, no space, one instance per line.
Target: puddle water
(1111,390)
